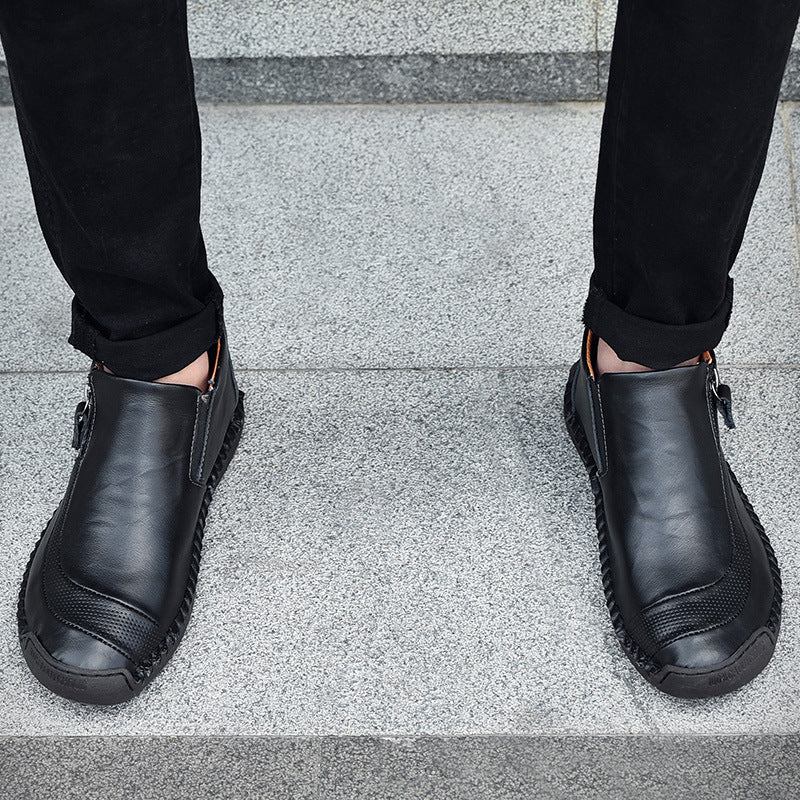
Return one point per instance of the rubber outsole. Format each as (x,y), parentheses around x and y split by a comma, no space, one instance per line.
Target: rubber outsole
(110,687)
(727,676)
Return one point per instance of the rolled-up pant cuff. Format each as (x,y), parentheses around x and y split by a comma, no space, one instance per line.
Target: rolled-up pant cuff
(153,356)
(655,344)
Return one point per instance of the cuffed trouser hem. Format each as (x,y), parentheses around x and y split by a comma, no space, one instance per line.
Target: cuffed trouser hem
(654,344)
(154,356)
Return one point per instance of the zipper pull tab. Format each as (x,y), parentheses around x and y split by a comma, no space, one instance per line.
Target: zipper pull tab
(80,427)
(724,401)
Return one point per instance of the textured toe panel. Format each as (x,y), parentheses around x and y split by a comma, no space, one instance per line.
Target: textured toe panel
(81,651)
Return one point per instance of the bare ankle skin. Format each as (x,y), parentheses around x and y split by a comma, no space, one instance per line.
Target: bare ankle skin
(194,374)
(609,361)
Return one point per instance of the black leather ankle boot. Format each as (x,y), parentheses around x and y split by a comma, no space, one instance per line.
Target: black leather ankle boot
(109,588)
(691,581)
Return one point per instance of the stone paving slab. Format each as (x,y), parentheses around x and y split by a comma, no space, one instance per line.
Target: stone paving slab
(217,768)
(353,50)
(401,552)
(629,768)
(379,50)
(411,236)
(313,51)
(413,78)
(243,28)
(791,120)
(234,29)
(143,768)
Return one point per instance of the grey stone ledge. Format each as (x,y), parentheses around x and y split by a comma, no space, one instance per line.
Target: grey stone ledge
(410,78)
(420,767)
(434,78)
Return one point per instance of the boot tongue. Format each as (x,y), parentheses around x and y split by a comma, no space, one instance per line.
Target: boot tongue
(114,385)
(141,412)
(663,410)
(673,380)
(665,495)
(676,380)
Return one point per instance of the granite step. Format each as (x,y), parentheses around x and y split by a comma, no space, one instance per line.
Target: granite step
(361,51)
(400,594)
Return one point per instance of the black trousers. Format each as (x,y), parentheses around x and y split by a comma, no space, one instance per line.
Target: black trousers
(105,101)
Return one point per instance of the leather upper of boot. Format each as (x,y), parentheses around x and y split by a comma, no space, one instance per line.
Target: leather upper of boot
(687,564)
(110,574)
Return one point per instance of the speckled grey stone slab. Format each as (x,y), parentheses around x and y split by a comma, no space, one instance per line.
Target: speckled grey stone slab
(401,552)
(512,768)
(415,78)
(367,51)
(452,768)
(5,86)
(401,236)
(236,28)
(426,78)
(791,120)
(144,768)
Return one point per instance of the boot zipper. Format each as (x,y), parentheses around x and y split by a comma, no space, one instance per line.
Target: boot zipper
(722,396)
(80,427)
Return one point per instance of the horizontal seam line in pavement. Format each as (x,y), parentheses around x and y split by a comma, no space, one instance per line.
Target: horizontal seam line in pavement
(388,737)
(788,367)
(406,736)
(390,107)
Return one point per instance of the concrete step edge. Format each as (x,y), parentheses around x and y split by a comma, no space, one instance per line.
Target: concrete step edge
(407,767)
(414,78)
